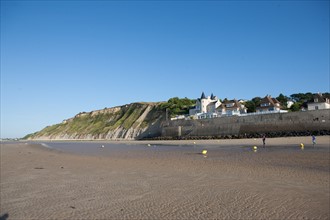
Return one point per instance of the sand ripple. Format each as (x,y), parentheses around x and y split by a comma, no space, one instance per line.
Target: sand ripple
(39,183)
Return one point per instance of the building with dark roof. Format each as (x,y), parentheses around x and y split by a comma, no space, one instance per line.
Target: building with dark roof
(319,101)
(205,107)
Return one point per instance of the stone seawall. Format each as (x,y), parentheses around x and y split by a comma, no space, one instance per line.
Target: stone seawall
(251,125)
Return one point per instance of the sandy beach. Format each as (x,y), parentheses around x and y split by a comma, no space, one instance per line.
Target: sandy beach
(281,181)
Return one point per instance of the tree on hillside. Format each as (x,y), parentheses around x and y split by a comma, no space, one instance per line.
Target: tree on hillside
(296,106)
(302,97)
(301,100)
(251,105)
(177,106)
(283,100)
(326,94)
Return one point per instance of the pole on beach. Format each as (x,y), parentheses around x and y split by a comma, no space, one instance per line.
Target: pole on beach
(166,114)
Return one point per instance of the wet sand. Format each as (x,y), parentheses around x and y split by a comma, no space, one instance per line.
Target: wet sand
(279,182)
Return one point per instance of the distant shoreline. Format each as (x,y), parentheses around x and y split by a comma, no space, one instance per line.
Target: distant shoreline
(320,140)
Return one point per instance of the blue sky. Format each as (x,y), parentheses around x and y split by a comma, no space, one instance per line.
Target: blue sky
(59,58)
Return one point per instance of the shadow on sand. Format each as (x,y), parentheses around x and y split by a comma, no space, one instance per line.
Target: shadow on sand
(4,216)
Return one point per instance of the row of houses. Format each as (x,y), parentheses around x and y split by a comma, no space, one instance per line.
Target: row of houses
(211,106)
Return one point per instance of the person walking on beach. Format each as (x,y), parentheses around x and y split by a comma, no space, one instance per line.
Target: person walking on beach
(264,140)
(313,140)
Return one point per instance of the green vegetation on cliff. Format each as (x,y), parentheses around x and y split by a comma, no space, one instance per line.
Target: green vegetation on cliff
(177,106)
(98,124)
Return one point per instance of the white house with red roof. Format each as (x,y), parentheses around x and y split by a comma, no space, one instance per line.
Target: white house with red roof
(269,104)
(231,107)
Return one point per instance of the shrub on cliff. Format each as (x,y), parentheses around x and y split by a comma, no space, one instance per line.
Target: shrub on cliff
(177,106)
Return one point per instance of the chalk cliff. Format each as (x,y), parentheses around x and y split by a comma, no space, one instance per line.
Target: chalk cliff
(132,121)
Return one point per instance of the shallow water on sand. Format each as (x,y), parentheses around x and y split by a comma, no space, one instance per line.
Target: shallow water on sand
(124,149)
(80,180)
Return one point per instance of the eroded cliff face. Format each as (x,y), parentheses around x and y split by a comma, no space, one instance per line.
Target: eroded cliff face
(128,122)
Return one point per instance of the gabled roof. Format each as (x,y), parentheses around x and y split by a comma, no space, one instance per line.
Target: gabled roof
(319,98)
(276,101)
(268,99)
(234,101)
(212,102)
(272,102)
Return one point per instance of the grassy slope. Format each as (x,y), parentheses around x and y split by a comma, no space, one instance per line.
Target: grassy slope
(102,123)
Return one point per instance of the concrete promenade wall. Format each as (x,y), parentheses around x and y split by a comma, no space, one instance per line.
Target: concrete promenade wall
(307,121)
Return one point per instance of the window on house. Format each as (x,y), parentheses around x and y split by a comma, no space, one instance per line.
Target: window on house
(316,108)
(316,100)
(264,104)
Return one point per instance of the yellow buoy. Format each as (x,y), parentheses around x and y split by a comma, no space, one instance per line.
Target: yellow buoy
(149,145)
(301,145)
(204,152)
(194,142)
(255,147)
